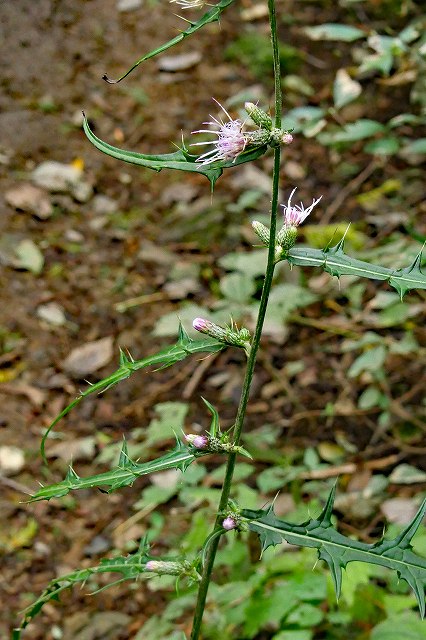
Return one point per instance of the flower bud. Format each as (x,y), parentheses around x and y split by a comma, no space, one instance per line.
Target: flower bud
(279,137)
(229,523)
(163,567)
(228,335)
(259,137)
(258,116)
(197,441)
(286,237)
(261,231)
(209,328)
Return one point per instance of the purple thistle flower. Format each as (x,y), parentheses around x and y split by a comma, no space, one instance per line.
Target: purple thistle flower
(199,442)
(229,523)
(295,215)
(230,142)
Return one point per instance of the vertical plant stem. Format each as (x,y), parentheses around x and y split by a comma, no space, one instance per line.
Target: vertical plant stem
(251,362)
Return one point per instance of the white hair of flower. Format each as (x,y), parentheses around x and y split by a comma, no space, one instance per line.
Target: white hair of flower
(189,4)
(294,215)
(231,141)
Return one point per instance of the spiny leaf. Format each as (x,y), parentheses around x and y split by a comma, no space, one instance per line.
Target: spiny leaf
(123,475)
(180,160)
(337,263)
(213,15)
(338,550)
(183,348)
(130,567)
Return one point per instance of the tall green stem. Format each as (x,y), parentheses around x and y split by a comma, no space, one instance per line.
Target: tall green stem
(251,362)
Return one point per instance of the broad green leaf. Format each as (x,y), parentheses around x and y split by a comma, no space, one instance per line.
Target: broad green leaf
(333,31)
(338,550)
(251,264)
(371,360)
(183,348)
(213,15)
(415,147)
(345,90)
(370,397)
(382,62)
(287,297)
(354,131)
(268,608)
(383,147)
(405,626)
(294,634)
(300,118)
(237,287)
(180,160)
(403,118)
(305,615)
(337,263)
(170,416)
(407,474)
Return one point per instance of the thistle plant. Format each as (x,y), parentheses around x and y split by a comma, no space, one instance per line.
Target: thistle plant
(236,141)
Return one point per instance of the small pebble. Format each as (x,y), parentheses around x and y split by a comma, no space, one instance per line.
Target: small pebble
(12,460)
(128,5)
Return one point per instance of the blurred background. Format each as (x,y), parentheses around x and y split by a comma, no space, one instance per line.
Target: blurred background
(97,255)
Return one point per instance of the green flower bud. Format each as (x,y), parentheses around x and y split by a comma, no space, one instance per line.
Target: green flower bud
(286,237)
(258,116)
(279,137)
(261,231)
(228,335)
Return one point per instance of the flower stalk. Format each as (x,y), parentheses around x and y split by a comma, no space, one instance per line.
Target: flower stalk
(267,284)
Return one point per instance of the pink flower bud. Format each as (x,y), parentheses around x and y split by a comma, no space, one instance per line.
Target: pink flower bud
(200,324)
(229,523)
(287,138)
(199,442)
(210,328)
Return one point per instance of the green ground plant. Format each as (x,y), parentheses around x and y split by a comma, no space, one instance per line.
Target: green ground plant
(277,592)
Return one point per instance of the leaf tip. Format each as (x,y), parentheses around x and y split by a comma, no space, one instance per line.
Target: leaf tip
(108,79)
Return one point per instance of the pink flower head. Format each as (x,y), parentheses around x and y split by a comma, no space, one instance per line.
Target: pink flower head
(295,215)
(153,565)
(229,523)
(199,442)
(287,138)
(230,142)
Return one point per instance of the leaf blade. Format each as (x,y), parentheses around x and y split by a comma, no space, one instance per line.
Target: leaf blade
(338,550)
(183,348)
(213,15)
